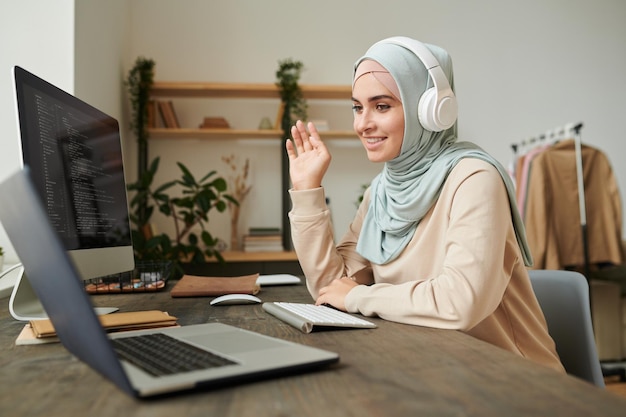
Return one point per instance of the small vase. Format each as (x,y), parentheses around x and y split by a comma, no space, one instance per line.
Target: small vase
(234,228)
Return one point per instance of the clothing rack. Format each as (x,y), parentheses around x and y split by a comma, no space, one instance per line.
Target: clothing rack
(606,371)
(572,131)
(581,198)
(554,135)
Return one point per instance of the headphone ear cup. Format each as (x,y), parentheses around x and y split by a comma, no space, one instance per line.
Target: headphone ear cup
(425,110)
(436,115)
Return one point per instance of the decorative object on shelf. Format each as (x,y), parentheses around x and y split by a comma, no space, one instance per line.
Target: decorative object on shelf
(266,124)
(321,125)
(139,82)
(1,258)
(214,123)
(241,188)
(190,210)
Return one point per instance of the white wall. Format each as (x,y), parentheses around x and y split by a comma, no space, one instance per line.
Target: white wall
(79,46)
(101,54)
(37,35)
(521,68)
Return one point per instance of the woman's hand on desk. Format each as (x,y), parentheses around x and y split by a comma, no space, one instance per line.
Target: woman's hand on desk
(335,293)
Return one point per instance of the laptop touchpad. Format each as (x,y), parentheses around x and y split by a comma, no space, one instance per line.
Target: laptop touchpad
(234,342)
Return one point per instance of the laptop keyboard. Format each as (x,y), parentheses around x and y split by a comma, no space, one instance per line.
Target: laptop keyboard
(160,354)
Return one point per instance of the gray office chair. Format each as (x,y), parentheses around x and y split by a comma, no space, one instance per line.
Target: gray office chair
(564,299)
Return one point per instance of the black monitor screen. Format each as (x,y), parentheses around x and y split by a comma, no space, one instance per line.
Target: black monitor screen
(74,154)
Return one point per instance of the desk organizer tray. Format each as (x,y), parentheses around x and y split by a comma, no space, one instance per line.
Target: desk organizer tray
(148,276)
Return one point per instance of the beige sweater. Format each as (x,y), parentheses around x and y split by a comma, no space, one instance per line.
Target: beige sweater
(462,270)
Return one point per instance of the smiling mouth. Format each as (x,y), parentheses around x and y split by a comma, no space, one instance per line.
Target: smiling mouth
(374,140)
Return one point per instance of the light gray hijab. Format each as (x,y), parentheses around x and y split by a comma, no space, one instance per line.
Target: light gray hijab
(410,184)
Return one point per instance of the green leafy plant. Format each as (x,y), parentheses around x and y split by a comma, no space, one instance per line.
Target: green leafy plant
(359,199)
(139,83)
(190,209)
(295,106)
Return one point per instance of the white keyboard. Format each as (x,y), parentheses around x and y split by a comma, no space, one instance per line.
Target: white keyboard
(306,317)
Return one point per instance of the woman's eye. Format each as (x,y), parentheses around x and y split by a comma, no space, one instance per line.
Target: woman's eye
(382,107)
(357,108)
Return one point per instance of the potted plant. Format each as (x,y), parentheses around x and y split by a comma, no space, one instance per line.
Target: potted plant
(139,82)
(294,104)
(188,211)
(294,107)
(240,189)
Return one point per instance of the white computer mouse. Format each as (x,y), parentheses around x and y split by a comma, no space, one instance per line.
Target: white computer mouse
(230,299)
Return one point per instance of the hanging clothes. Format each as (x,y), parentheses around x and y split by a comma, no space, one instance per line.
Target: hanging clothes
(523,175)
(552,215)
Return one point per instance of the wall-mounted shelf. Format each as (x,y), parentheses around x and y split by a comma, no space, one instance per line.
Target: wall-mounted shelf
(245,263)
(241,256)
(163,133)
(167,89)
(242,90)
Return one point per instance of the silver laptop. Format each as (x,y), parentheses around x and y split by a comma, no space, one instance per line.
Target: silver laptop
(235,354)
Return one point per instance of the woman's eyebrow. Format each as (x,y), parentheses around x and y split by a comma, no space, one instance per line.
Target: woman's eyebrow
(379,97)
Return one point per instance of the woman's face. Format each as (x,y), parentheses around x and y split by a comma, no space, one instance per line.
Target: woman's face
(378,119)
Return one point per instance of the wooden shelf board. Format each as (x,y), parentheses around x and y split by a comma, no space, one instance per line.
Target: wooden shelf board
(240,256)
(239,90)
(163,133)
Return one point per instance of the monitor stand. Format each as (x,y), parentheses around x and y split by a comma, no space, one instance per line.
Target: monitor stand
(24,304)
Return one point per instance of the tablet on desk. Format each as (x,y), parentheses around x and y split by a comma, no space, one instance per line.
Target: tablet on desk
(277,279)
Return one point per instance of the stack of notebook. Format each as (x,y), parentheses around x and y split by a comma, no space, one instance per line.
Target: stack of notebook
(42,331)
(263,239)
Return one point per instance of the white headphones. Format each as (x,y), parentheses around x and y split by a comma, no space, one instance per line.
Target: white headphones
(437,107)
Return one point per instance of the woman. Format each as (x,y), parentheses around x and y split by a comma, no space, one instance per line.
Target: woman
(437,240)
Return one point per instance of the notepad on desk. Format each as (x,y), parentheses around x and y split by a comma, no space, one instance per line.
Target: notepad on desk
(200,286)
(42,331)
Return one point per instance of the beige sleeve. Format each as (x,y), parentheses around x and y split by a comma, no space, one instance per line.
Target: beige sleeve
(311,231)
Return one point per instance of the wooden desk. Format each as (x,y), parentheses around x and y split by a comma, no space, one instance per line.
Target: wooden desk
(394,370)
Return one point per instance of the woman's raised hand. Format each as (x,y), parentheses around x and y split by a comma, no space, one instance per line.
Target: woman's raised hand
(308,157)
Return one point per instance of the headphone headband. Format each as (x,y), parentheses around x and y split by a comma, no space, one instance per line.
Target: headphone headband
(437,108)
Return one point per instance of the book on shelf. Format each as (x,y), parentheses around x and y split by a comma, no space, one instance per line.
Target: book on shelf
(278,247)
(153,113)
(264,231)
(170,120)
(266,240)
(279,116)
(214,123)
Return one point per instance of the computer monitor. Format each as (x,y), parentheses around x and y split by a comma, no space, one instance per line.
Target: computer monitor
(74,154)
